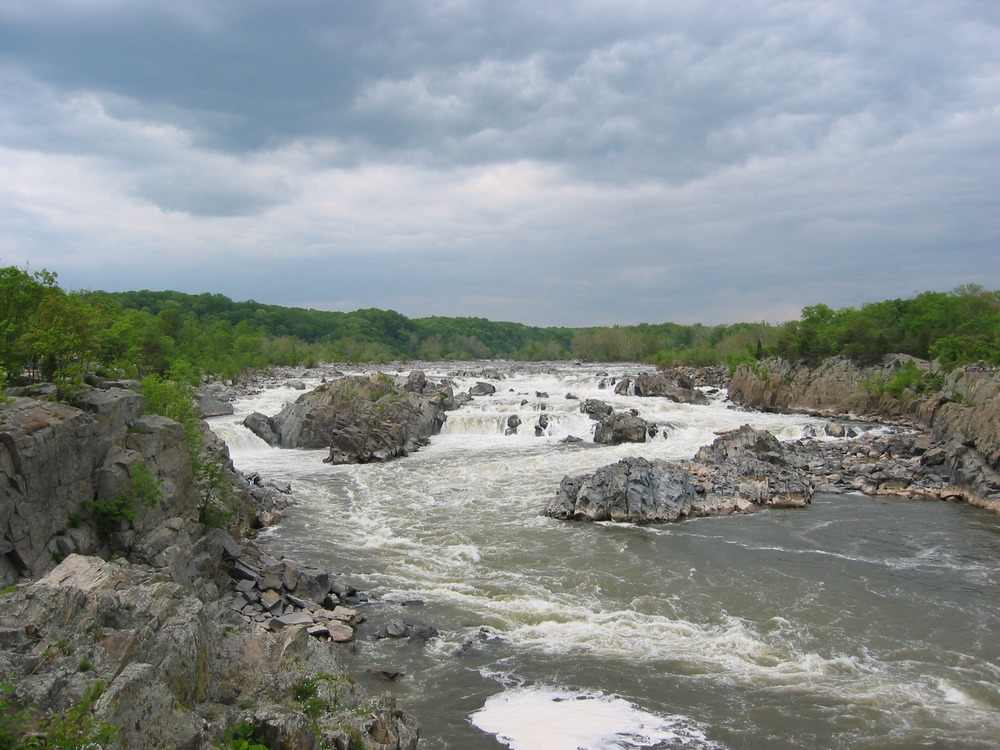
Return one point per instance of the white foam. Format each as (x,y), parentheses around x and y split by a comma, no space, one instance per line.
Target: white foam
(545,718)
(952,694)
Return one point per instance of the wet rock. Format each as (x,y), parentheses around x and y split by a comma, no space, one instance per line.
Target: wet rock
(674,385)
(213,401)
(620,427)
(740,471)
(408,627)
(634,491)
(482,389)
(595,408)
(360,420)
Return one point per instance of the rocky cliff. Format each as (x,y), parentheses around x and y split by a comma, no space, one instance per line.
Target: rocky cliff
(114,582)
(959,411)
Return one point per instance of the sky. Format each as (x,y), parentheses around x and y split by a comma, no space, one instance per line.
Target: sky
(596,162)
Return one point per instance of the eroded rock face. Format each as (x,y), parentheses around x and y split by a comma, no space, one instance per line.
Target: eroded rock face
(962,416)
(360,420)
(177,668)
(741,471)
(836,387)
(56,458)
(187,625)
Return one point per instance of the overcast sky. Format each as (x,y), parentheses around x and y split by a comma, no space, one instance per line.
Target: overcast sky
(553,163)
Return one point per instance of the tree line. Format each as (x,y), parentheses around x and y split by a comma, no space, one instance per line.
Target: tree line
(48,333)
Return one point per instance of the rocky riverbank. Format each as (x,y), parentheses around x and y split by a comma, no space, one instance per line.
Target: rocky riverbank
(121,583)
(957,412)
(937,443)
(746,470)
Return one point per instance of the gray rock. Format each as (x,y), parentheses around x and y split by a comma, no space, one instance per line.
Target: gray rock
(213,401)
(674,385)
(291,620)
(360,420)
(739,472)
(595,408)
(482,389)
(620,427)
(634,491)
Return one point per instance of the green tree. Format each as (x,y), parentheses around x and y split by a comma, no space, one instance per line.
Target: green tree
(21,292)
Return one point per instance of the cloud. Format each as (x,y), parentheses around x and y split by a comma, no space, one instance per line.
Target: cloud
(594,162)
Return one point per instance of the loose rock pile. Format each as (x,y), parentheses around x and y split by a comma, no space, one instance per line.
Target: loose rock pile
(901,462)
(277,594)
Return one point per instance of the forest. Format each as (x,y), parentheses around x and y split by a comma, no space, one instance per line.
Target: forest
(48,333)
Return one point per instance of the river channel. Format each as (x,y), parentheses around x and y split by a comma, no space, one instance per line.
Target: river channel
(854,623)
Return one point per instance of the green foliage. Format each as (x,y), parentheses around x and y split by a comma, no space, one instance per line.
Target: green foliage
(21,294)
(383,384)
(240,737)
(317,695)
(143,493)
(23,728)
(174,398)
(13,718)
(48,333)
(218,500)
(911,379)
(4,398)
(958,327)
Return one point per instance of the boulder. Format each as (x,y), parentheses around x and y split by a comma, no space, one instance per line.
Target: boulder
(674,385)
(621,427)
(213,401)
(360,420)
(482,389)
(633,490)
(595,408)
(513,422)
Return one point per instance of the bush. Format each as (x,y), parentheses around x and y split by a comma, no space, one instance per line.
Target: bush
(144,493)
(22,728)
(240,737)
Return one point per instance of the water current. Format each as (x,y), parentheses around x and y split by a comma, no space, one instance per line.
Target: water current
(855,623)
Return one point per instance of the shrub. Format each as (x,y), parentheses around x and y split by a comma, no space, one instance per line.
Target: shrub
(74,728)
(240,737)
(144,493)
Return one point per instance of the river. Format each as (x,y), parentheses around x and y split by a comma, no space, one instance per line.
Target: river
(855,623)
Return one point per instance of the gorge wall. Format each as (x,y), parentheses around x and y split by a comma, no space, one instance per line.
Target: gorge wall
(961,414)
(161,610)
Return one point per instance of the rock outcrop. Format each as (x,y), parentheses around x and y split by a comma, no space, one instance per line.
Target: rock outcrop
(179,670)
(674,385)
(836,387)
(189,630)
(360,420)
(58,461)
(740,472)
(960,416)
(213,400)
